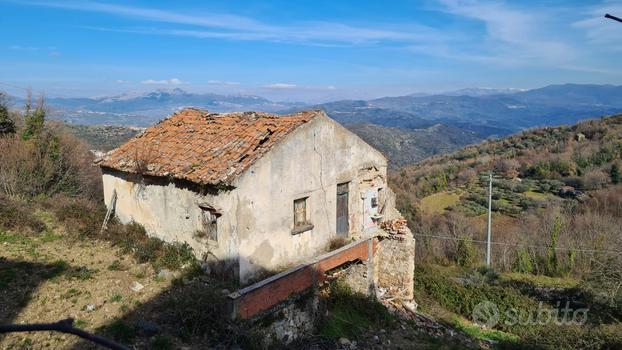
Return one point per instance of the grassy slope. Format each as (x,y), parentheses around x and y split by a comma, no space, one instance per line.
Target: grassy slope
(451,294)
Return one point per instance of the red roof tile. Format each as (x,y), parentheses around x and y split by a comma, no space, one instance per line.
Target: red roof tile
(205,148)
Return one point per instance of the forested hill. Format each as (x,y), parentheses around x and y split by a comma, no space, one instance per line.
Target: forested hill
(584,156)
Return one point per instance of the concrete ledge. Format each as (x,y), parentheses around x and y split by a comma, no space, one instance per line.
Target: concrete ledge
(264,295)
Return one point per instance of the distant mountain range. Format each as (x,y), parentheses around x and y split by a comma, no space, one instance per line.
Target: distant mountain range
(487,115)
(145,109)
(412,127)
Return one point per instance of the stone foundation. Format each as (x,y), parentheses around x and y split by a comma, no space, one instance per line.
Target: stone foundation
(394,268)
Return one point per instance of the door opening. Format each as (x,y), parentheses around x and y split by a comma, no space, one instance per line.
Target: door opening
(343,224)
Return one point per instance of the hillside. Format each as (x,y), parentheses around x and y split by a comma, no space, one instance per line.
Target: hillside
(556,218)
(406,146)
(488,114)
(413,127)
(103,137)
(557,213)
(543,178)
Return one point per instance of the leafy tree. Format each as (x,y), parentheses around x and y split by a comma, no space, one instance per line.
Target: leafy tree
(33,120)
(7,125)
(524,262)
(552,263)
(465,253)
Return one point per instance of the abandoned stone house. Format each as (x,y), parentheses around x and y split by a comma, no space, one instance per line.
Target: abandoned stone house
(255,191)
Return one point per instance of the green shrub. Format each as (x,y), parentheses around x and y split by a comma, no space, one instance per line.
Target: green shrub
(523,263)
(553,337)
(463,298)
(350,313)
(175,256)
(552,267)
(615,174)
(465,253)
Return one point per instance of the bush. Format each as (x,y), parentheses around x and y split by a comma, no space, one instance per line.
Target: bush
(349,313)
(18,216)
(553,337)
(615,174)
(523,263)
(463,298)
(80,217)
(465,253)
(594,180)
(46,160)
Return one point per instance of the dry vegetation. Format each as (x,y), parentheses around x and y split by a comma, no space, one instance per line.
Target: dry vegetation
(55,264)
(557,213)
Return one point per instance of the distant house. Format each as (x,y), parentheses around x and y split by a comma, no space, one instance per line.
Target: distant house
(254,191)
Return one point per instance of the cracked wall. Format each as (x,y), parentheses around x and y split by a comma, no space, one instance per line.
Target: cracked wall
(255,228)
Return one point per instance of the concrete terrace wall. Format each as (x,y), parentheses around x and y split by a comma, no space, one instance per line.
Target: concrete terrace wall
(308,163)
(286,305)
(262,296)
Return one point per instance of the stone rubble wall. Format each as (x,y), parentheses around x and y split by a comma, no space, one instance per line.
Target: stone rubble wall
(394,268)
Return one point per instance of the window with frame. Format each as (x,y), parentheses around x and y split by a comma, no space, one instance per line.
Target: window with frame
(301,221)
(209,218)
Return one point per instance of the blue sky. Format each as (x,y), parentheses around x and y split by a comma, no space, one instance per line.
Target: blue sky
(305,50)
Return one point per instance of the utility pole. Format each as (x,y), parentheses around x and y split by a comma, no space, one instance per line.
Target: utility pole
(489,220)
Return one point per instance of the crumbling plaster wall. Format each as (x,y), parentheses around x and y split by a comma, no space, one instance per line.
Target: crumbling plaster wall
(255,228)
(172,213)
(309,163)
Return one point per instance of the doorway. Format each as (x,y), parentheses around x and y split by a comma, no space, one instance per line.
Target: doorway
(343,224)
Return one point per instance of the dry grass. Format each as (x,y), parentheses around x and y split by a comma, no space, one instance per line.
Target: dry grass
(437,203)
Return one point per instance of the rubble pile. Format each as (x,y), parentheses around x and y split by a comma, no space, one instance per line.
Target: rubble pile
(396,228)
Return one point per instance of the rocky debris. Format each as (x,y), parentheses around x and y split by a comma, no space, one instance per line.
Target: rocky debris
(346,344)
(136,286)
(165,274)
(431,327)
(396,228)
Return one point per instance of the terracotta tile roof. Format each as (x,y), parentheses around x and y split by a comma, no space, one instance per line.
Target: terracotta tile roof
(205,148)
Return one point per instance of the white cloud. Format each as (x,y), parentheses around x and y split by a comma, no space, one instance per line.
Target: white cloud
(233,27)
(121,81)
(280,86)
(23,48)
(513,35)
(599,30)
(172,81)
(221,82)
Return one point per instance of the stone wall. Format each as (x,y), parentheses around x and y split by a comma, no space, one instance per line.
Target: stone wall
(394,267)
(294,319)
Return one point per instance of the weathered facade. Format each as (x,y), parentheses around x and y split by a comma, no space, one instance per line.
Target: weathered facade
(253,191)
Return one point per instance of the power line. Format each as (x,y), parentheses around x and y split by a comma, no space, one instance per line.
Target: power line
(520,245)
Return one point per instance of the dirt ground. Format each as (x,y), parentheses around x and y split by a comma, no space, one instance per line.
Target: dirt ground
(50,277)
